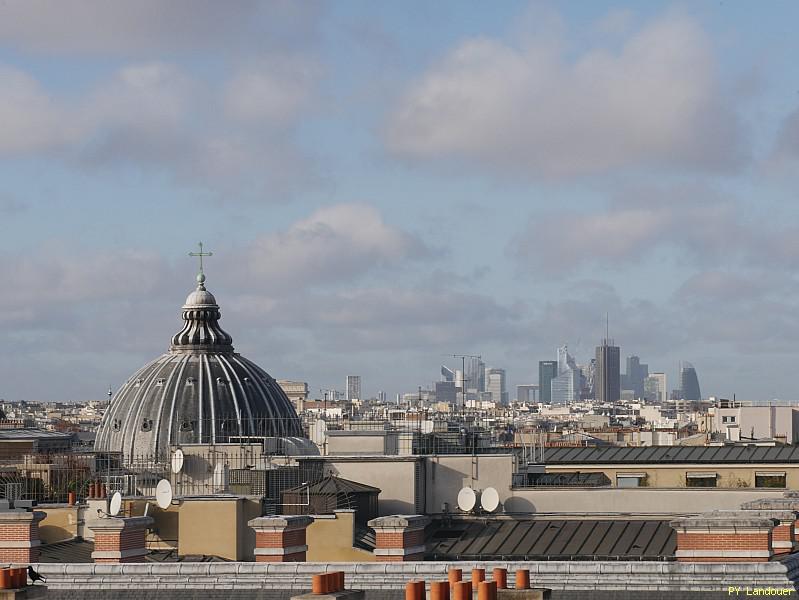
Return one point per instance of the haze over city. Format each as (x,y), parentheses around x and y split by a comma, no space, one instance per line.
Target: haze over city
(373,202)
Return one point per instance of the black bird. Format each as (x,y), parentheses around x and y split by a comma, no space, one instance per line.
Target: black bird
(34,576)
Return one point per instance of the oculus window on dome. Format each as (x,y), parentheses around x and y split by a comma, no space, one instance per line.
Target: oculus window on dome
(201,391)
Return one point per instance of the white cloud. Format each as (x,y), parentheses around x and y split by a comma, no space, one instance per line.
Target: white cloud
(30,120)
(154,115)
(149,26)
(688,219)
(272,91)
(334,244)
(530,110)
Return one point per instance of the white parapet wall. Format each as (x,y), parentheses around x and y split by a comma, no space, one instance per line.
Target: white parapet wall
(296,577)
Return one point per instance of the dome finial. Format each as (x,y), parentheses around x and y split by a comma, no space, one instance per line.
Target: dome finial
(201,274)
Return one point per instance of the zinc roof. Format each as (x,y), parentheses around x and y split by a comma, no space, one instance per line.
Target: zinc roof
(672,454)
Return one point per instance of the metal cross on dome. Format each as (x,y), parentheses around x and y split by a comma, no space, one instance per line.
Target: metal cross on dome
(200,254)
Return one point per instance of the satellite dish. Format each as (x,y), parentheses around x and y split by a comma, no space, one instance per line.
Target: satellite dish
(489,499)
(115,505)
(467,499)
(177,461)
(163,494)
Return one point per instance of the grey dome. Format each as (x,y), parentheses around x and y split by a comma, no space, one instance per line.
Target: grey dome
(200,392)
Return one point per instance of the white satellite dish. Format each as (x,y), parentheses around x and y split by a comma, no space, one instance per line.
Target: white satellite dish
(467,499)
(115,505)
(177,461)
(163,494)
(489,499)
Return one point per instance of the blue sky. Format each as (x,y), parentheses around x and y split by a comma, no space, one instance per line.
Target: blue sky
(386,183)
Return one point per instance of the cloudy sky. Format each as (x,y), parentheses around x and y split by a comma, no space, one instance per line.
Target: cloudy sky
(385,183)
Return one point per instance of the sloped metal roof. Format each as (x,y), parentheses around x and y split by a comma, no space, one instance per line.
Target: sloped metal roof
(552,539)
(80,551)
(336,485)
(672,454)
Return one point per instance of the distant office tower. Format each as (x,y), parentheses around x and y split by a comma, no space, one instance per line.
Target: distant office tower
(655,389)
(525,392)
(635,376)
(445,392)
(475,374)
(608,372)
(689,383)
(381,397)
(353,387)
(447,374)
(588,380)
(566,386)
(547,371)
(495,385)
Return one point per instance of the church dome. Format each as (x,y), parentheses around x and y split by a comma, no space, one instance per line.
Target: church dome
(200,392)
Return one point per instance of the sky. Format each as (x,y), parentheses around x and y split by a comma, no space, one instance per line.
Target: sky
(384,184)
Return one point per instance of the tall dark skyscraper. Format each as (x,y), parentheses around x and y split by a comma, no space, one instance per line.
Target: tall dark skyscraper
(635,376)
(608,372)
(689,382)
(547,371)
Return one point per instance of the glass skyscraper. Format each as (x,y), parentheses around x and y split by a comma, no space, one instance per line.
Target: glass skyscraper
(566,386)
(689,382)
(547,371)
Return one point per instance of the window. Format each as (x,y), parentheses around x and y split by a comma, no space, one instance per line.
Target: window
(701,479)
(628,480)
(770,479)
(729,419)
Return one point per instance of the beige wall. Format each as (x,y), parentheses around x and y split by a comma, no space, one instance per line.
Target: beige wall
(164,530)
(647,501)
(393,475)
(217,526)
(356,442)
(446,474)
(60,524)
(330,537)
